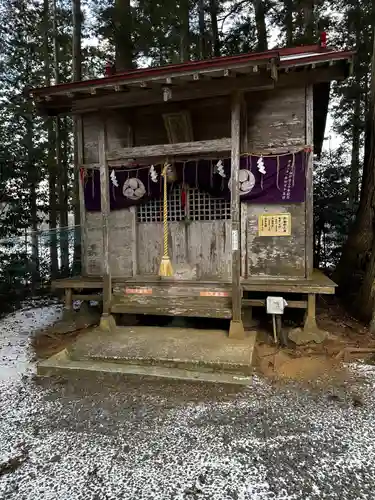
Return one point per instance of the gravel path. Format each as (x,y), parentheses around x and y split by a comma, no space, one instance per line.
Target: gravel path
(95,439)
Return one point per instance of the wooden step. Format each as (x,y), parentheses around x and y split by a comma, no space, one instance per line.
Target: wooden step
(173,299)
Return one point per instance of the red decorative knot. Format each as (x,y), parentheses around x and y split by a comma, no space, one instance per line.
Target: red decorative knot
(323,40)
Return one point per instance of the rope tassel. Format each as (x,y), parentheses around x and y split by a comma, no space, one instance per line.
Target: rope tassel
(165,265)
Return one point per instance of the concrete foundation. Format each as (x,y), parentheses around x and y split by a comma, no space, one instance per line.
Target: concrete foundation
(180,353)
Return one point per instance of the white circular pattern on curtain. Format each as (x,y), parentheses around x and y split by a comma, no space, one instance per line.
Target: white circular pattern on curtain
(246,181)
(133,189)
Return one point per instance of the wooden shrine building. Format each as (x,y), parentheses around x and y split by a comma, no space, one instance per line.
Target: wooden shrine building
(207,166)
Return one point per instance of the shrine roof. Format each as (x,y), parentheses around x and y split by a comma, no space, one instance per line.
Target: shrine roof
(139,86)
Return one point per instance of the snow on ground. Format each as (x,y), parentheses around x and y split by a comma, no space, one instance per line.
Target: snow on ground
(15,330)
(97,439)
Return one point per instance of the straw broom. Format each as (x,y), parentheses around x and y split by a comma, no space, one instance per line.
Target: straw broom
(165,265)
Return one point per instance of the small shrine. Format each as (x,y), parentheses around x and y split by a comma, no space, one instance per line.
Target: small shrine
(196,184)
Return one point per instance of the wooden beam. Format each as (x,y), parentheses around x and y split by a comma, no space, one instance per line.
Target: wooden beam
(105,209)
(91,296)
(274,72)
(309,205)
(181,148)
(294,304)
(78,129)
(236,329)
(194,90)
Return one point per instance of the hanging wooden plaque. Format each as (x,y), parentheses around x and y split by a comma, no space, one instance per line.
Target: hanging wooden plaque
(275,225)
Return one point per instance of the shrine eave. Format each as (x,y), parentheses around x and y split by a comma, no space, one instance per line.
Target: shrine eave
(196,79)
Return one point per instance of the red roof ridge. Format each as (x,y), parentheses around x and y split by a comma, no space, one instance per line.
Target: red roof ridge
(206,64)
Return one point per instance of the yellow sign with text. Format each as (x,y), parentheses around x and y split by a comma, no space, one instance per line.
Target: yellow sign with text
(275,225)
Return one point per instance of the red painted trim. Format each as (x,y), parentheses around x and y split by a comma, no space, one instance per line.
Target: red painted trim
(118,78)
(217,62)
(324,56)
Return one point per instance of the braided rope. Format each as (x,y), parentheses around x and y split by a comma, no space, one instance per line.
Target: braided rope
(165,214)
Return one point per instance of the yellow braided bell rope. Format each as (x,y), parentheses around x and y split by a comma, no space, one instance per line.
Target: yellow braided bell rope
(165,265)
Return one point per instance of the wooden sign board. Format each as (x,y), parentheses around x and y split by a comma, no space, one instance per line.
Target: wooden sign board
(275,225)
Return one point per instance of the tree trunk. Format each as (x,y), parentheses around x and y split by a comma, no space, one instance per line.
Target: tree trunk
(33,183)
(123,35)
(318,245)
(356,125)
(185,30)
(288,20)
(32,179)
(59,165)
(202,30)
(354,165)
(35,277)
(260,21)
(308,20)
(361,240)
(214,27)
(77,35)
(52,215)
(77,76)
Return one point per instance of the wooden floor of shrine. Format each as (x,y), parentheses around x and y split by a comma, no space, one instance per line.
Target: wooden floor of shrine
(202,298)
(318,282)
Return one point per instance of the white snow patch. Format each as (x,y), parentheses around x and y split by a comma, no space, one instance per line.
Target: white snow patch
(15,331)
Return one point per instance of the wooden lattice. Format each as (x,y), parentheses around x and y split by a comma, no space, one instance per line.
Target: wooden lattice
(200,206)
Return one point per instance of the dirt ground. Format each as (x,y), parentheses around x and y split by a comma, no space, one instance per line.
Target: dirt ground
(50,340)
(348,340)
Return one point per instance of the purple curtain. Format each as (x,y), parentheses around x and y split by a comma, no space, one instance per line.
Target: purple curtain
(263,180)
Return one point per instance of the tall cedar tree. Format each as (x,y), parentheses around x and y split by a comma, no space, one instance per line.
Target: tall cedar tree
(51,166)
(123,35)
(364,303)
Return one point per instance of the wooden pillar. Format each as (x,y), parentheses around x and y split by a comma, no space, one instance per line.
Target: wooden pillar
(309,205)
(68,302)
(107,320)
(134,233)
(236,326)
(310,321)
(78,130)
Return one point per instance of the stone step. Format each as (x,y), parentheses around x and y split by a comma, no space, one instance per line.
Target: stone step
(171,347)
(62,365)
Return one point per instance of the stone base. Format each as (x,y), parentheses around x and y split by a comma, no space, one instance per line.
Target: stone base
(301,336)
(236,330)
(107,323)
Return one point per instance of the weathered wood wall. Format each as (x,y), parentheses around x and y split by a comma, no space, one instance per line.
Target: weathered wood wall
(201,249)
(276,119)
(210,120)
(120,243)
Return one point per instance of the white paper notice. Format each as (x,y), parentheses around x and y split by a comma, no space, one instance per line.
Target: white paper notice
(234,239)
